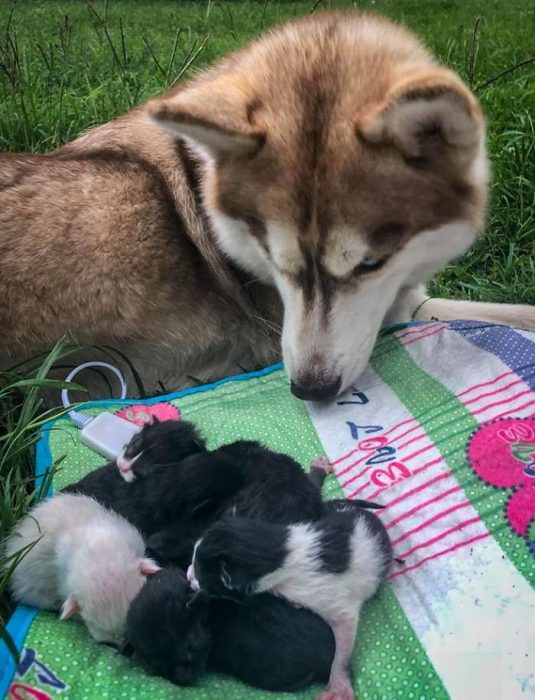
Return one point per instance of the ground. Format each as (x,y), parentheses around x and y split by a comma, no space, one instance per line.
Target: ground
(71,64)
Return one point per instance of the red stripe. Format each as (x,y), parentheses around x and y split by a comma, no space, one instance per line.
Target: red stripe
(412,419)
(416,471)
(432,520)
(416,489)
(499,403)
(427,335)
(356,493)
(478,386)
(369,454)
(518,408)
(423,328)
(366,469)
(441,536)
(409,442)
(353,478)
(417,453)
(439,554)
(493,393)
(422,505)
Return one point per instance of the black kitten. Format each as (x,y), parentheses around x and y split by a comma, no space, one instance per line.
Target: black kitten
(243,479)
(156,453)
(268,643)
(167,628)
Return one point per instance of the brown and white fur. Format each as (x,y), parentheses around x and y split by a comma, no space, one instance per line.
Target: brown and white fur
(288,171)
(81,558)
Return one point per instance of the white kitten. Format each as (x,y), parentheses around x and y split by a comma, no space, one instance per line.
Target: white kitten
(81,558)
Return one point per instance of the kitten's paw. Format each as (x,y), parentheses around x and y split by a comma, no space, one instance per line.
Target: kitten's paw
(322,463)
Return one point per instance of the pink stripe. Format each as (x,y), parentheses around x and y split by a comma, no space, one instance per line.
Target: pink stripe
(410,420)
(353,478)
(439,554)
(359,490)
(404,459)
(362,459)
(499,403)
(416,471)
(427,465)
(515,410)
(427,335)
(422,505)
(409,442)
(416,489)
(407,432)
(441,536)
(493,393)
(478,386)
(370,454)
(423,328)
(390,430)
(417,453)
(432,520)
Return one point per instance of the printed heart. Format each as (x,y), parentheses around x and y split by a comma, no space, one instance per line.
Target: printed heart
(144,413)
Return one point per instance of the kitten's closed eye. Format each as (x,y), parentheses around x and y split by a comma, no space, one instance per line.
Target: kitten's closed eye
(226,578)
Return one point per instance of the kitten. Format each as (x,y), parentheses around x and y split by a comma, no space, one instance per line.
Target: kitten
(81,558)
(331,566)
(267,643)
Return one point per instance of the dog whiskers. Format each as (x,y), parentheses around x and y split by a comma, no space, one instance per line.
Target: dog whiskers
(270,324)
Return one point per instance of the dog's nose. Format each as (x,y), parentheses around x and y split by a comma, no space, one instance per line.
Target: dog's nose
(320,391)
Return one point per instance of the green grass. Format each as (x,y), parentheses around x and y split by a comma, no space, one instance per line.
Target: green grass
(22,414)
(68,65)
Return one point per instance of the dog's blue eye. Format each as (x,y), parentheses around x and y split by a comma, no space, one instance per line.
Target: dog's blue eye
(370,264)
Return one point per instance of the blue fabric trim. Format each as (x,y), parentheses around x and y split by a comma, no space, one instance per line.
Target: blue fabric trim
(17,627)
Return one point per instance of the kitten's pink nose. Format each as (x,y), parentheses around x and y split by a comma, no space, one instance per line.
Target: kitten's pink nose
(190,575)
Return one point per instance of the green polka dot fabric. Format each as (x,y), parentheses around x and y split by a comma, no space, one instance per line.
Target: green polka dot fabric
(440,430)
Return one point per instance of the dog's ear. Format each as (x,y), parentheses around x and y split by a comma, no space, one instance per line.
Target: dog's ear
(430,116)
(215,113)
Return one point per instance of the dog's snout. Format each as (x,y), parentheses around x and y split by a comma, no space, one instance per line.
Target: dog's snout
(316,391)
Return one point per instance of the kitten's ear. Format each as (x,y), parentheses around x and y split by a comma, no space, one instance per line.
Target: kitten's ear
(69,608)
(154,420)
(237,581)
(197,600)
(148,567)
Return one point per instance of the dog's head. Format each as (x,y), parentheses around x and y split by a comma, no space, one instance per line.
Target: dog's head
(343,165)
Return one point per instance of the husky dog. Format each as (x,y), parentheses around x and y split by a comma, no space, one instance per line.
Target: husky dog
(81,558)
(305,186)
